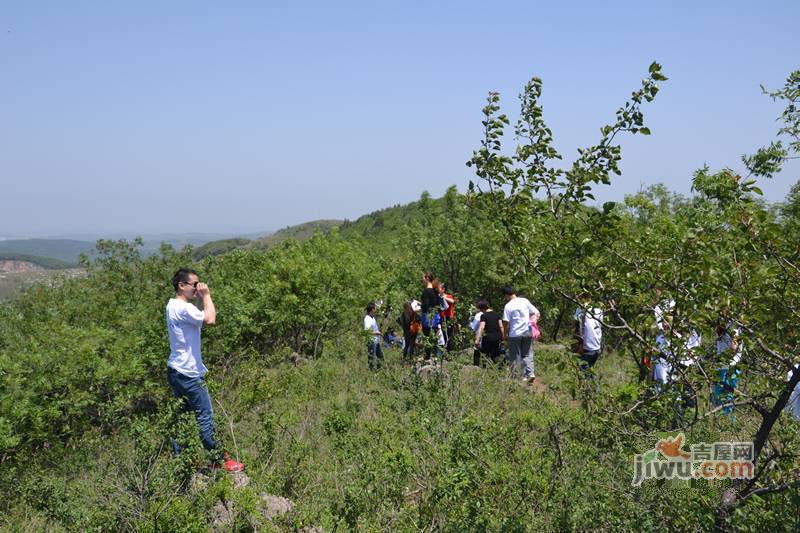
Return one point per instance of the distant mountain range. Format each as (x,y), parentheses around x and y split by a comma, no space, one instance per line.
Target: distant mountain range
(63,252)
(67,250)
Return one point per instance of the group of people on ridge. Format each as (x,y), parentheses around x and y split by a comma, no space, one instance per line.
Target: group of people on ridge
(433,316)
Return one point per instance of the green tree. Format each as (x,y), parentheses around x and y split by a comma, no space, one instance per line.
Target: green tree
(723,252)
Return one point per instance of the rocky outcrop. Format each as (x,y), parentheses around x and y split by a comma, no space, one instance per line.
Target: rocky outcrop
(223,514)
(14,265)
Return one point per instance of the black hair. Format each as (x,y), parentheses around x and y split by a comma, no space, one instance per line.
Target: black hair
(483,305)
(370,307)
(509,290)
(182,276)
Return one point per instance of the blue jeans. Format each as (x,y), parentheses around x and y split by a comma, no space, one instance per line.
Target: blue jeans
(588,359)
(374,354)
(194,393)
(725,387)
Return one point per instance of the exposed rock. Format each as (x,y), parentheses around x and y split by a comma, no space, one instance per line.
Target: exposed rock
(469,370)
(297,359)
(14,265)
(274,506)
(198,483)
(221,517)
(431,368)
(240,480)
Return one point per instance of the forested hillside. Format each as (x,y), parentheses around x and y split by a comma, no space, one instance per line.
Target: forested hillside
(86,413)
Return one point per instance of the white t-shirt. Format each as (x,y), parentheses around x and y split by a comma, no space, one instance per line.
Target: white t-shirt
(665,306)
(663,369)
(517,313)
(725,344)
(184,322)
(692,342)
(371,323)
(592,330)
(476,322)
(793,407)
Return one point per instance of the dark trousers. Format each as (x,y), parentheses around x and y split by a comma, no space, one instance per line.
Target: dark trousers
(194,393)
(588,359)
(410,344)
(431,340)
(374,354)
(489,347)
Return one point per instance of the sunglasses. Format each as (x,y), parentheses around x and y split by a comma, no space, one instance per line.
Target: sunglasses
(192,284)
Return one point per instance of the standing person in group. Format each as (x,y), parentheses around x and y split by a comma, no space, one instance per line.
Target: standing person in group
(490,333)
(185,368)
(677,355)
(374,351)
(517,315)
(475,323)
(589,333)
(431,319)
(729,348)
(411,327)
(663,310)
(448,315)
(793,406)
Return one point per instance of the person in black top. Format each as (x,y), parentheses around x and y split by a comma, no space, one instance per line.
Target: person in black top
(431,304)
(489,334)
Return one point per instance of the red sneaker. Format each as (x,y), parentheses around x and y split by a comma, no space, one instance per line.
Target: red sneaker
(229,464)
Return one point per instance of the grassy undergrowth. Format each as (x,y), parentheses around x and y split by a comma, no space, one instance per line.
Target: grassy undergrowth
(465,450)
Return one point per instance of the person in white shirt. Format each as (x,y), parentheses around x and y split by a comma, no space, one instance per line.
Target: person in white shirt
(374,351)
(663,372)
(517,315)
(185,368)
(793,406)
(663,310)
(671,362)
(729,347)
(589,331)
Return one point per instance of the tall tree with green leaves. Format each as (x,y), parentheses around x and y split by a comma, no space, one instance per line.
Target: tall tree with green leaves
(723,255)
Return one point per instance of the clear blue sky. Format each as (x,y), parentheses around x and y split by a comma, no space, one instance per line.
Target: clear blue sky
(231,116)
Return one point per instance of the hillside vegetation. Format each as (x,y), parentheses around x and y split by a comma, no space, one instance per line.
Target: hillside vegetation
(298,232)
(61,250)
(44,262)
(86,414)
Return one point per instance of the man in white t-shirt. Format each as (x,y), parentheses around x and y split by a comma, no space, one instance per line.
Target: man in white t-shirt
(374,351)
(793,406)
(185,368)
(664,371)
(663,310)
(589,331)
(517,315)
